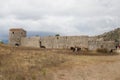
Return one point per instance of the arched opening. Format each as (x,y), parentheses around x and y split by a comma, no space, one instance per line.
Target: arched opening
(16,44)
(41,46)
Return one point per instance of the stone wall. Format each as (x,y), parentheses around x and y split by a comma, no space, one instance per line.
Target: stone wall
(94,45)
(30,42)
(62,42)
(65,42)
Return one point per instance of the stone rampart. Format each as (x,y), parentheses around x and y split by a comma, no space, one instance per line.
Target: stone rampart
(65,42)
(30,42)
(18,37)
(94,45)
(62,42)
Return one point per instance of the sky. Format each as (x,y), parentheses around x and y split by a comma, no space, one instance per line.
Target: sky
(64,17)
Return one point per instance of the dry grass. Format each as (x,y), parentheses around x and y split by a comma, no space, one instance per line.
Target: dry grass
(42,64)
(27,64)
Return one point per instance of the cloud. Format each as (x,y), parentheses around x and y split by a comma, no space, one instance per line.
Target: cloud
(66,17)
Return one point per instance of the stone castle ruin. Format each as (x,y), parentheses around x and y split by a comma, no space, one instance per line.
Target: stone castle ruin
(17,37)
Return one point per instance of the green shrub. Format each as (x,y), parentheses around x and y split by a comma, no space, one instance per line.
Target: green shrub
(1,42)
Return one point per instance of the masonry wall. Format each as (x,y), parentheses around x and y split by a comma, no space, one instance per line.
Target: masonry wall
(18,36)
(31,42)
(65,42)
(94,45)
(15,36)
(62,42)
(54,42)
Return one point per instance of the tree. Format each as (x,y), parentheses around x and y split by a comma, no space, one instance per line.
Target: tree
(57,35)
(37,35)
(1,42)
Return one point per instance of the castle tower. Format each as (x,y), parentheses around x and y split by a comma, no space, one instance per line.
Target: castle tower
(15,35)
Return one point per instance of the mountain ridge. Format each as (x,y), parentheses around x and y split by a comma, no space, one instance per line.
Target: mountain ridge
(113,35)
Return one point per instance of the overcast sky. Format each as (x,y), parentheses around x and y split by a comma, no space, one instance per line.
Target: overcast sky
(65,17)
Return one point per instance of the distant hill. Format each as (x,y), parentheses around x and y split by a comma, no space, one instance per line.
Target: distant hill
(37,33)
(5,41)
(112,35)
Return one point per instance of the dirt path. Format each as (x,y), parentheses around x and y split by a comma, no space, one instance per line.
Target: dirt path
(101,71)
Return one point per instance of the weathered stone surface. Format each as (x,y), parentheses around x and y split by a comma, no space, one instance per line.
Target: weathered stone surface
(59,42)
(15,36)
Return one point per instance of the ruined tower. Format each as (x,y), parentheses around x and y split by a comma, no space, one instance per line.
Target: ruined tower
(15,35)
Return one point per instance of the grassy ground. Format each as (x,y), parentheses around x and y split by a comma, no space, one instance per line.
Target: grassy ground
(27,63)
(45,64)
